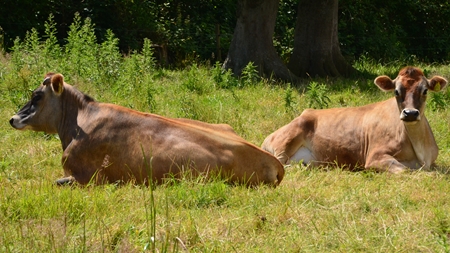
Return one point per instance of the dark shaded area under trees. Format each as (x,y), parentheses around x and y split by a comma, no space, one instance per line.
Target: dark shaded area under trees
(183,31)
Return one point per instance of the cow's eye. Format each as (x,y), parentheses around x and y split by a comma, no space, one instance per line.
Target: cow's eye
(397,93)
(425,91)
(36,98)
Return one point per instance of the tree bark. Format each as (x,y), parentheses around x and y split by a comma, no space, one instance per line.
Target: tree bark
(316,44)
(253,40)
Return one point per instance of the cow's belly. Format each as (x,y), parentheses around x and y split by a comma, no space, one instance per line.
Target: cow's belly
(303,154)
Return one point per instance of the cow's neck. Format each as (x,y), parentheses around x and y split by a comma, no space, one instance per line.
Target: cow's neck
(73,104)
(422,140)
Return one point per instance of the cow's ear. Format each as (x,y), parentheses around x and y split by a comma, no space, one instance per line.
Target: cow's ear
(437,83)
(385,83)
(57,82)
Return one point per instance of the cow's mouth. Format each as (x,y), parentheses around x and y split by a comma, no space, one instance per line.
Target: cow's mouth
(410,121)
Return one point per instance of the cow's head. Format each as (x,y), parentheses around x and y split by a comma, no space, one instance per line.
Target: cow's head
(42,112)
(411,89)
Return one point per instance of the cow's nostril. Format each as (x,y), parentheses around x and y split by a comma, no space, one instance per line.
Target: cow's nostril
(411,113)
(11,121)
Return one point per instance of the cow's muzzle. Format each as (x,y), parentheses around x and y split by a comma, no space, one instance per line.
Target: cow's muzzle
(410,115)
(15,122)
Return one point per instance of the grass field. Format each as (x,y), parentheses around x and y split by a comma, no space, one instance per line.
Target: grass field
(313,210)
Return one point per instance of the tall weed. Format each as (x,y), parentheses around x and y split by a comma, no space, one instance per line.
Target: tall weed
(193,82)
(81,50)
(224,79)
(109,60)
(138,70)
(289,99)
(51,49)
(148,57)
(27,57)
(317,95)
(249,75)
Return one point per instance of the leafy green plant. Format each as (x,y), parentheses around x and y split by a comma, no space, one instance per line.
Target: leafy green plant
(27,56)
(81,49)
(51,48)
(148,58)
(109,60)
(317,95)
(135,71)
(249,75)
(224,79)
(193,82)
(437,101)
(289,99)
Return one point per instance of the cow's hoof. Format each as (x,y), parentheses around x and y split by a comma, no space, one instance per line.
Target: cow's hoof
(397,170)
(65,181)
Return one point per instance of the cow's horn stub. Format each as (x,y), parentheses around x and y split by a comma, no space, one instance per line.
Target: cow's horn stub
(46,81)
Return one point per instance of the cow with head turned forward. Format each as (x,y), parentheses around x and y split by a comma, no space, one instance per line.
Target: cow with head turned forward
(104,143)
(391,135)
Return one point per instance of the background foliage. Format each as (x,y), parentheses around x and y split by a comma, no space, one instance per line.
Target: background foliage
(395,29)
(375,29)
(188,29)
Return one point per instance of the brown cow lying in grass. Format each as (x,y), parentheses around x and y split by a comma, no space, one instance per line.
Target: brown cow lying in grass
(391,135)
(105,143)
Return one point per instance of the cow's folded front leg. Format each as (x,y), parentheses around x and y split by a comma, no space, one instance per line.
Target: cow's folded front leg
(389,164)
(65,181)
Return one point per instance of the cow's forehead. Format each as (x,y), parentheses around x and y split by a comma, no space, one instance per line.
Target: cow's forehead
(411,72)
(410,77)
(410,83)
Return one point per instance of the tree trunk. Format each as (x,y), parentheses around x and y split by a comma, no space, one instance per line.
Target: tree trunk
(316,45)
(253,40)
